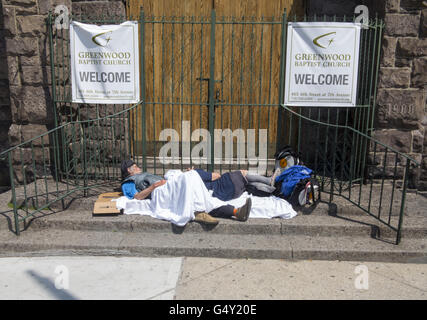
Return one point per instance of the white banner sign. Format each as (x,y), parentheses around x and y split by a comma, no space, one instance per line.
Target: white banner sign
(322,64)
(104,63)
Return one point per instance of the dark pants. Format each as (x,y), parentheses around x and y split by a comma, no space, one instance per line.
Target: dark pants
(223,212)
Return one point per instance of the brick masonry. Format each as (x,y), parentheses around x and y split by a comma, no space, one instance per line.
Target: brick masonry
(25,77)
(25,84)
(401,102)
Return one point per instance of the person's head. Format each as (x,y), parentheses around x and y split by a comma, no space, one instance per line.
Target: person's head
(129,168)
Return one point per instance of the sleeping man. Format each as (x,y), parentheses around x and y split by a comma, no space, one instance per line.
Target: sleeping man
(180,198)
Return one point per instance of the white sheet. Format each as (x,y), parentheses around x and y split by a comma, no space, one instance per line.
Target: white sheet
(184,193)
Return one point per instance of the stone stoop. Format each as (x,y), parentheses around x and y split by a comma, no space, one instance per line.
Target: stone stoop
(327,233)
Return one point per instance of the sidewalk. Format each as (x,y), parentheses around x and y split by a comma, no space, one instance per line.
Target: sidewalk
(184,278)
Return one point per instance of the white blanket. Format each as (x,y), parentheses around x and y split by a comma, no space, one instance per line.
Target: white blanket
(185,193)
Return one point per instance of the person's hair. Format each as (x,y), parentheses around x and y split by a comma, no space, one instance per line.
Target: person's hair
(126,164)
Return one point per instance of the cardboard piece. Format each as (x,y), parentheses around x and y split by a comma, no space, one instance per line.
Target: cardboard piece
(104,205)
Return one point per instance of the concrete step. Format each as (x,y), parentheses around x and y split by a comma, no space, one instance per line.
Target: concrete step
(330,232)
(266,246)
(316,225)
(323,221)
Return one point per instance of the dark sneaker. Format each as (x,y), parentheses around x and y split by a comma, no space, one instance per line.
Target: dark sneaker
(204,217)
(242,213)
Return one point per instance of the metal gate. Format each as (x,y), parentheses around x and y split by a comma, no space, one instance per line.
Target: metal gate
(211,89)
(212,80)
(211,93)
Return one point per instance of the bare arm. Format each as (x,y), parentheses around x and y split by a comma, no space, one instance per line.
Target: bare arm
(146,192)
(215,175)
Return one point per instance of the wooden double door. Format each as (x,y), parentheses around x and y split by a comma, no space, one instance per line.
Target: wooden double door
(210,64)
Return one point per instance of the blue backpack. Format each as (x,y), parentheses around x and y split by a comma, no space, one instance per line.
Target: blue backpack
(290,177)
(295,183)
(297,186)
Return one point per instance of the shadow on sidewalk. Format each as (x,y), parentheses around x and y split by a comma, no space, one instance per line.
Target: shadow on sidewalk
(46,283)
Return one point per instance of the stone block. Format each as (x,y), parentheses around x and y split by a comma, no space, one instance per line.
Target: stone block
(21,156)
(23,7)
(17,113)
(29,61)
(394,77)
(411,47)
(392,159)
(72,132)
(422,186)
(29,105)
(418,141)
(107,150)
(388,51)
(67,3)
(33,25)
(46,5)
(33,75)
(75,150)
(31,131)
(400,108)
(14,134)
(392,6)
(399,140)
(88,112)
(13,71)
(96,9)
(424,164)
(379,172)
(9,21)
(21,46)
(26,155)
(410,5)
(403,62)
(419,73)
(67,112)
(414,177)
(26,11)
(23,3)
(28,173)
(402,25)
(109,129)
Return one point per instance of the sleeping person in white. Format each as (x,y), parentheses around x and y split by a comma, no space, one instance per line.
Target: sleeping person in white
(185,194)
(180,198)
